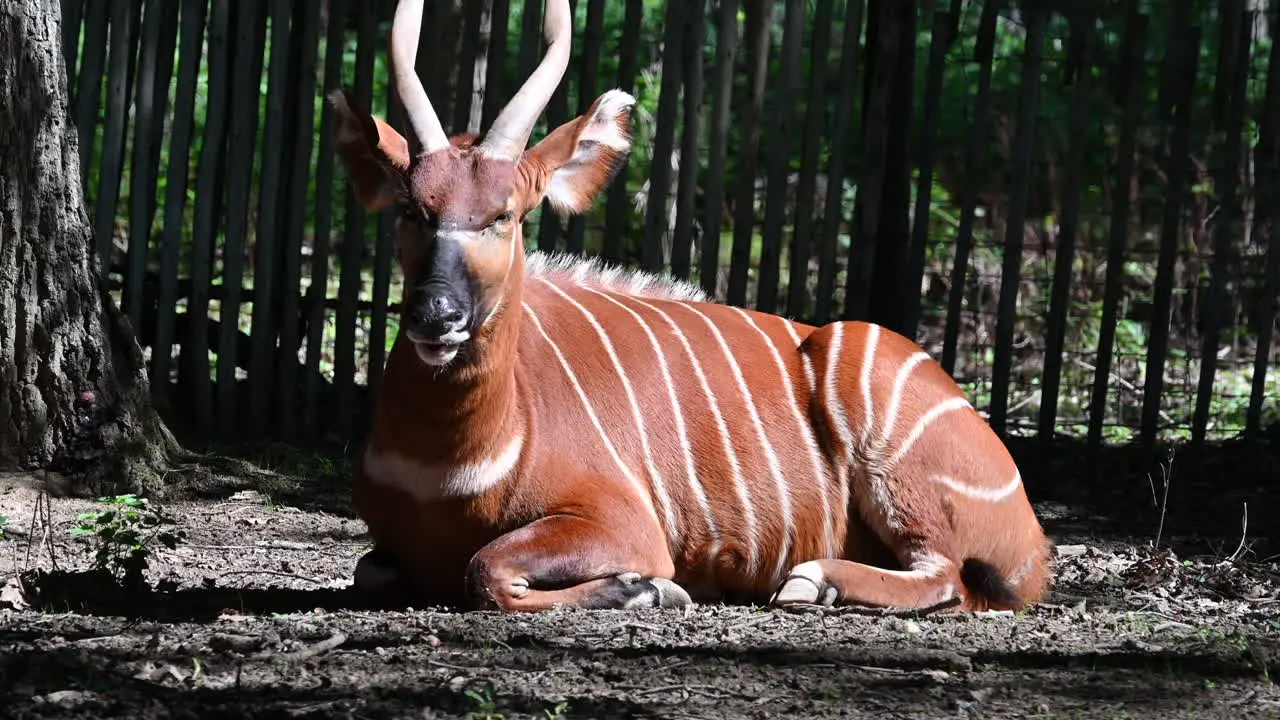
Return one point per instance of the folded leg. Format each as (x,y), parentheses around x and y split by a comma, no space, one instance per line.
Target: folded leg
(575,561)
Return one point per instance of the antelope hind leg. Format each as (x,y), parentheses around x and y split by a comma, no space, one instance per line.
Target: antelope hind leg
(930,581)
(573,561)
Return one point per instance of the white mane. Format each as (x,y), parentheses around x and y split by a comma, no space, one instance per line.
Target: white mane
(592,272)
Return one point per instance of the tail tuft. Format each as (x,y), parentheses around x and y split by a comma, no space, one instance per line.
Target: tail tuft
(991,589)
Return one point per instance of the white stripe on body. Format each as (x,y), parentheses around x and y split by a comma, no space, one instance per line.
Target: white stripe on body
(784,497)
(659,486)
(695,485)
(739,481)
(990,495)
(638,486)
(426,482)
(839,415)
(806,428)
(807,363)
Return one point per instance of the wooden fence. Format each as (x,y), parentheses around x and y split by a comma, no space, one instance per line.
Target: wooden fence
(1069,204)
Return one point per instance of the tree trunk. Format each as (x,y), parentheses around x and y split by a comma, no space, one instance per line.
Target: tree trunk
(73,389)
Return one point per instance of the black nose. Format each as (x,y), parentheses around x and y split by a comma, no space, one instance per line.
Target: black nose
(442,308)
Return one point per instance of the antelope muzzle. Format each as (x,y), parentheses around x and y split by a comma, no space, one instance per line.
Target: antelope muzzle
(438,317)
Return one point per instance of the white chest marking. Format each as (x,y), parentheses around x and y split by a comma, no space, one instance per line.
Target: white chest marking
(434,481)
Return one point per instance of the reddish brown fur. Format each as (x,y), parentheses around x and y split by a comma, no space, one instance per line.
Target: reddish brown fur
(616,386)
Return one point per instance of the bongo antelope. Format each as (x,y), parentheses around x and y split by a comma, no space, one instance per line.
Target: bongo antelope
(551,431)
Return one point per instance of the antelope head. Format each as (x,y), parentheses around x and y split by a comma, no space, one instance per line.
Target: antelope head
(462,200)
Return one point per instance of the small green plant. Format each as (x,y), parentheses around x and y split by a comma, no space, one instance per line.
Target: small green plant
(4,520)
(123,535)
(486,708)
(557,712)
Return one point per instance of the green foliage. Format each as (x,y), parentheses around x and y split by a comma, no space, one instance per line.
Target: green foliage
(122,536)
(4,520)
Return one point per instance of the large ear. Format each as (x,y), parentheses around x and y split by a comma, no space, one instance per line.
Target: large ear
(376,156)
(581,157)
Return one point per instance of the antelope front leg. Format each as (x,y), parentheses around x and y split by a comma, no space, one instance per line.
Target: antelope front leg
(575,561)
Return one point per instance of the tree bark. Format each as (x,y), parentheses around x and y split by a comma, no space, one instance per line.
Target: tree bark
(73,389)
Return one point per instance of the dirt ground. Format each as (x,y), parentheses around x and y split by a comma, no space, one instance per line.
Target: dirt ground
(250,617)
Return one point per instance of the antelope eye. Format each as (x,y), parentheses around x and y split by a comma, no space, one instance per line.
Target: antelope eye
(504,217)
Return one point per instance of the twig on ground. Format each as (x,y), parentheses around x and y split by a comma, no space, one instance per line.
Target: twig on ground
(1166,471)
(310,651)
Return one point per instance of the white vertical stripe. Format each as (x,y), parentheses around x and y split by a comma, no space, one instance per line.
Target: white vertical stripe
(839,416)
(806,428)
(639,487)
(739,482)
(659,486)
(775,467)
(807,362)
(868,362)
(695,485)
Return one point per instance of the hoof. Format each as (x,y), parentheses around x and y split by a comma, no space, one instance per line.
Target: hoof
(631,590)
(377,574)
(805,586)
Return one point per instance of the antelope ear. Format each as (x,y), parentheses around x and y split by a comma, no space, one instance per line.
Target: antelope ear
(374,154)
(579,159)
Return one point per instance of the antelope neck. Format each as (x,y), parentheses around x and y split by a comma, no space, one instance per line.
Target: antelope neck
(454,414)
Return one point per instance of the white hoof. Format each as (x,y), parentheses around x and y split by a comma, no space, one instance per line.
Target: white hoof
(805,585)
(670,595)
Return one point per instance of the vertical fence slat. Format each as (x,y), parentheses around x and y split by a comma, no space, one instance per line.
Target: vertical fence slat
(1011,263)
(208,205)
(618,203)
(111,169)
(882,72)
(1268,178)
(975,165)
(317,292)
(1131,74)
(495,72)
(943,22)
(759,16)
(383,252)
(1237,77)
(353,243)
(690,141)
(587,89)
(303,68)
(192,25)
(247,75)
(718,142)
(802,235)
(141,202)
(557,114)
(1064,258)
(472,16)
(842,132)
(779,165)
(1170,228)
(664,140)
(165,57)
(89,82)
(263,331)
(72,17)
